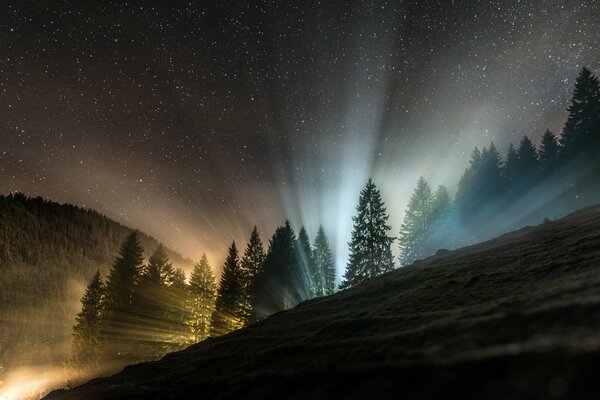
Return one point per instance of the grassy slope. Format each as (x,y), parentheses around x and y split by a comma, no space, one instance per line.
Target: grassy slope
(515,317)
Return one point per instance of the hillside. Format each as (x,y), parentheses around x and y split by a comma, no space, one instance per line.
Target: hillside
(514,317)
(48,253)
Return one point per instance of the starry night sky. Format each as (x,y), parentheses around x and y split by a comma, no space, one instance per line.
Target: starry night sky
(195,121)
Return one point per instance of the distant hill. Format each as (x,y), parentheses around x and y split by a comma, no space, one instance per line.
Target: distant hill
(514,317)
(48,253)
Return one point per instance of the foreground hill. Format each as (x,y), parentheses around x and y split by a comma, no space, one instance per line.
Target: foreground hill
(515,317)
(48,253)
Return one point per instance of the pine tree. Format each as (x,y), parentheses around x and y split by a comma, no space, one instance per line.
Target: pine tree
(228,314)
(528,162)
(152,305)
(325,265)
(480,189)
(282,283)
(417,222)
(549,153)
(370,247)
(306,261)
(252,265)
(510,169)
(467,188)
(201,301)
(583,120)
(120,317)
(177,312)
(85,347)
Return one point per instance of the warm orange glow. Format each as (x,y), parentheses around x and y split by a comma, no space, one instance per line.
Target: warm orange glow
(33,382)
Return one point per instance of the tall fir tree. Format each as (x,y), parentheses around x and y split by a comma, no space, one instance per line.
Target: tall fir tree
(152,304)
(151,296)
(252,265)
(417,222)
(528,161)
(282,283)
(228,314)
(323,259)
(201,300)
(581,132)
(305,259)
(549,153)
(120,317)
(510,168)
(467,187)
(85,347)
(370,245)
(177,312)
(481,187)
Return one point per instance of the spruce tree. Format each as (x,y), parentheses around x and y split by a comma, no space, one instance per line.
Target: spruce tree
(467,187)
(370,245)
(549,153)
(228,314)
(252,265)
(510,169)
(417,222)
(528,162)
(201,300)
(152,304)
(177,312)
(120,318)
(85,346)
(323,259)
(306,261)
(282,283)
(581,129)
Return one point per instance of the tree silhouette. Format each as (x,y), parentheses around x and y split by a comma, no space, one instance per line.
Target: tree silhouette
(481,187)
(510,168)
(580,134)
(177,312)
(417,222)
(325,265)
(201,301)
(370,247)
(119,317)
(252,265)
(282,283)
(549,154)
(528,162)
(152,303)
(306,262)
(85,346)
(228,314)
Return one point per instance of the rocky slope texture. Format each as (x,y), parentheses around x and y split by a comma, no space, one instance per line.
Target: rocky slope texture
(515,317)
(48,254)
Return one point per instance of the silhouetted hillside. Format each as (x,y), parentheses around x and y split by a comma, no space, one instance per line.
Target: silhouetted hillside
(514,317)
(48,253)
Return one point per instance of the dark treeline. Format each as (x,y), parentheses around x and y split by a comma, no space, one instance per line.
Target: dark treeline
(143,310)
(47,252)
(494,195)
(497,194)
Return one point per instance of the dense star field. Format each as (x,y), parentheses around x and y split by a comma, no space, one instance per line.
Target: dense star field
(211,118)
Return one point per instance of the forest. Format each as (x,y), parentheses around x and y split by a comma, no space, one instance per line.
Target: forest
(48,252)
